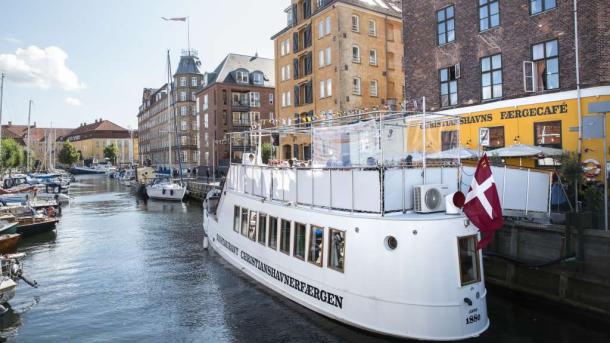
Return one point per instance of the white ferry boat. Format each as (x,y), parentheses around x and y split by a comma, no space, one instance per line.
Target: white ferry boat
(362,232)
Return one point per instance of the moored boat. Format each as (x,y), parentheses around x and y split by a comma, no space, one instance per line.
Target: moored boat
(8,242)
(32,225)
(8,225)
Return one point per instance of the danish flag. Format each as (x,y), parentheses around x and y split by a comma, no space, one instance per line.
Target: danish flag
(482,205)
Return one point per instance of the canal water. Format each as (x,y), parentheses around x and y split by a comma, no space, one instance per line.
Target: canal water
(121,269)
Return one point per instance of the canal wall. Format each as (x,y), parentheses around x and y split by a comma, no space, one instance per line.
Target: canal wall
(197,189)
(569,265)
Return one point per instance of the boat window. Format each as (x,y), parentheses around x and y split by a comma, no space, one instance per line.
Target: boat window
(299,240)
(316,243)
(285,237)
(262,228)
(469,260)
(236,221)
(244,221)
(273,233)
(336,248)
(252,225)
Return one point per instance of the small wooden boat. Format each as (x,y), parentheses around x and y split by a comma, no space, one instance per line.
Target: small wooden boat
(35,224)
(8,243)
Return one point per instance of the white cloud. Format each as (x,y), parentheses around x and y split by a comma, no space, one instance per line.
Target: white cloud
(40,67)
(72,101)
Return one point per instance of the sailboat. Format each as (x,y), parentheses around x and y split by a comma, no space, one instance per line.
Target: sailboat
(167,188)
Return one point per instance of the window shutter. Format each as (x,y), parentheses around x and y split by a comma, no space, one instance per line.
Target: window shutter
(294,15)
(296,68)
(529,77)
(457,71)
(296,95)
(295,41)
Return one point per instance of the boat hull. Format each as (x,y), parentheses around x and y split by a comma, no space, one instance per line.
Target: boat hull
(411,292)
(86,171)
(9,229)
(158,193)
(30,229)
(8,242)
(8,288)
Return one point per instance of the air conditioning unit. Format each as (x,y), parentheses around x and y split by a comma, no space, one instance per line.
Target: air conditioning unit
(429,198)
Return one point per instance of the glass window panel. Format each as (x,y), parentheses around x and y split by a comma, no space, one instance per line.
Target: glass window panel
(450,24)
(299,240)
(551,48)
(441,38)
(482,2)
(444,74)
(450,12)
(441,28)
(494,8)
(486,92)
(483,24)
(483,12)
(285,237)
(496,61)
(497,91)
(454,99)
(273,232)
(440,15)
(552,81)
(497,77)
(453,87)
(548,4)
(495,20)
(444,88)
(552,66)
(252,225)
(450,36)
(469,260)
(244,221)
(536,6)
(316,242)
(444,100)
(538,51)
(485,64)
(236,219)
(486,79)
(336,256)
(262,228)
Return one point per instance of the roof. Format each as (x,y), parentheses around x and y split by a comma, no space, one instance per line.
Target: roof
(189,64)
(389,7)
(20,132)
(98,125)
(223,73)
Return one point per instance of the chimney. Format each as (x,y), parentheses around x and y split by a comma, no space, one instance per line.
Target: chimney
(10,123)
(34,124)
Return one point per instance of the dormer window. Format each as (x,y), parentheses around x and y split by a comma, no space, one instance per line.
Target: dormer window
(257,79)
(241,76)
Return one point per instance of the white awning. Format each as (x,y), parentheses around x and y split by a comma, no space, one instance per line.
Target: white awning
(525,150)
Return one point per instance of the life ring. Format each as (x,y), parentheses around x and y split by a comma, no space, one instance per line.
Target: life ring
(591,167)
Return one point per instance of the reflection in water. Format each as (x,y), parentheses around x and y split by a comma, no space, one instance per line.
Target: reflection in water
(121,268)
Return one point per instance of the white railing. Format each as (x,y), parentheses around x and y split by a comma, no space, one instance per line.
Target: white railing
(361,189)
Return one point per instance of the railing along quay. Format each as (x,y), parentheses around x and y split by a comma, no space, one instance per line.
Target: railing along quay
(198,188)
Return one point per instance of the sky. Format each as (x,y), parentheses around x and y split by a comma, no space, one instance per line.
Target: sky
(84,60)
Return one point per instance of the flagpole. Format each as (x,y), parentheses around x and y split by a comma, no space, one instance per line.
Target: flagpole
(188,34)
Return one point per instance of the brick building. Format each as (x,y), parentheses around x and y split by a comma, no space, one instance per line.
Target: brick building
(155,123)
(335,56)
(238,93)
(509,67)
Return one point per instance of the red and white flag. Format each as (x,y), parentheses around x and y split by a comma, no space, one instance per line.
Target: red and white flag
(482,205)
(174,19)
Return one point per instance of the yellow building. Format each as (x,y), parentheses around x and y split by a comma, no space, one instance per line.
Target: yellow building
(336,56)
(91,139)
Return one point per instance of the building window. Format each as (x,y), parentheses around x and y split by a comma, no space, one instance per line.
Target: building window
(537,6)
(184,157)
(205,102)
(321,29)
(336,250)
(372,28)
(449,140)
(182,96)
(183,110)
(489,14)
(183,125)
(255,99)
(262,229)
(321,56)
(356,54)
(285,47)
(357,89)
(285,237)
(546,65)
(491,77)
(548,134)
(241,76)
(205,121)
(446,25)
(257,78)
(236,218)
(355,23)
(374,88)
(316,245)
(193,81)
(299,240)
(182,81)
(493,138)
(448,86)
(469,260)
(322,89)
(373,57)
(244,221)
(328,25)
(252,225)
(273,233)
(183,140)
(328,58)
(329,87)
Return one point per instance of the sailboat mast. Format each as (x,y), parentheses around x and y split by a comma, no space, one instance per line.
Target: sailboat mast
(169,109)
(1,99)
(29,138)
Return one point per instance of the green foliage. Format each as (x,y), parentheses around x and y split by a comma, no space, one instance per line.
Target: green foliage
(68,154)
(571,168)
(496,160)
(266,153)
(111,152)
(593,195)
(12,154)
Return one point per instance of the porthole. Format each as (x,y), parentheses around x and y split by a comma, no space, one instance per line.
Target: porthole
(391,242)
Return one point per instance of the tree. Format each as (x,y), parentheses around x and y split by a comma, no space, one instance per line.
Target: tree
(111,152)
(12,154)
(571,170)
(68,154)
(266,153)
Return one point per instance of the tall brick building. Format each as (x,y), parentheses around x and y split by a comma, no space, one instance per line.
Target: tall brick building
(509,67)
(155,123)
(335,56)
(238,93)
